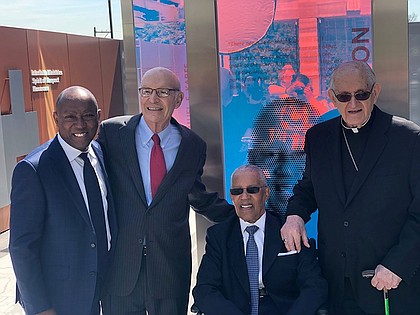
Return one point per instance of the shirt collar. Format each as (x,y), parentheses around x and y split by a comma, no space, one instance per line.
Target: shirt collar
(146,134)
(260,223)
(72,153)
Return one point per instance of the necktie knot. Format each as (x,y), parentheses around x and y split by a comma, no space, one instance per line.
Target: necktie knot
(251,229)
(156,139)
(84,157)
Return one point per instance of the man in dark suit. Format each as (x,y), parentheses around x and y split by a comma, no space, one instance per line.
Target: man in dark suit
(363,174)
(288,282)
(60,236)
(151,270)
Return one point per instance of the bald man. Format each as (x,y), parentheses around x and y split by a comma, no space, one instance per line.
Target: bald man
(151,270)
(60,236)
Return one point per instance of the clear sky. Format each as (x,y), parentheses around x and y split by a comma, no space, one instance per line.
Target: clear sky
(414,7)
(66,16)
(78,16)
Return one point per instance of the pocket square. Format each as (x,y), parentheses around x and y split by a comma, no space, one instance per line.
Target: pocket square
(292,252)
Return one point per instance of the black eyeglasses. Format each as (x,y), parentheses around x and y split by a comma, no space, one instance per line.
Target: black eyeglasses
(250,190)
(160,92)
(360,96)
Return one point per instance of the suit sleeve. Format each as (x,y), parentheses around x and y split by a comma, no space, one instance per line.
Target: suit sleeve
(207,293)
(208,203)
(303,202)
(27,217)
(404,258)
(312,286)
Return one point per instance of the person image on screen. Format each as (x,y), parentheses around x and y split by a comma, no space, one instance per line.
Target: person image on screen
(277,141)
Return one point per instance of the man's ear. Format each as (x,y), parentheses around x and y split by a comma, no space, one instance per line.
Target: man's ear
(179,99)
(376,91)
(332,97)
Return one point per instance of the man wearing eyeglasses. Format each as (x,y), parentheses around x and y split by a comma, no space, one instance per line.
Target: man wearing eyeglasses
(155,167)
(285,282)
(363,174)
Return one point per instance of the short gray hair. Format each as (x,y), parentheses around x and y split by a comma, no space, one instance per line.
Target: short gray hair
(251,168)
(362,67)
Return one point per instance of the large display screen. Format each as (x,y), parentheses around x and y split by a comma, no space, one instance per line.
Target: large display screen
(276,58)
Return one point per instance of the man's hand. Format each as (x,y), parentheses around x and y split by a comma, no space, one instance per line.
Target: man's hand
(293,232)
(385,278)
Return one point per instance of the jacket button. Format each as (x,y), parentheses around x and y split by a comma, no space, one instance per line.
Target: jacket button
(92,273)
(93,245)
(346,223)
(140,240)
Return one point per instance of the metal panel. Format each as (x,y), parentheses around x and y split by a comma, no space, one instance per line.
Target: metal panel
(390,54)
(203,78)
(130,92)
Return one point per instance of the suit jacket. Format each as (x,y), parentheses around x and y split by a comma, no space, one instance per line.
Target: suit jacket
(52,242)
(163,223)
(293,282)
(379,220)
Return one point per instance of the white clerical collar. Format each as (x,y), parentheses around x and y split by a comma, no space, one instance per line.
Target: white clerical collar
(354,129)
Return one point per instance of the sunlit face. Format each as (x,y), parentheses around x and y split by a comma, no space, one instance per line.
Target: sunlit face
(77,120)
(354,112)
(157,111)
(249,207)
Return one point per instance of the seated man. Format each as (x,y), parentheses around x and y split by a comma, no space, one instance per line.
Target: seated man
(246,268)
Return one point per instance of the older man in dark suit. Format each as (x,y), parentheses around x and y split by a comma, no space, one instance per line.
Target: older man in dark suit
(246,268)
(155,167)
(363,174)
(62,222)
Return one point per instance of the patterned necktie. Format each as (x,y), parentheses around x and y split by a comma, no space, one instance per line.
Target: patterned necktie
(253,267)
(157,165)
(96,209)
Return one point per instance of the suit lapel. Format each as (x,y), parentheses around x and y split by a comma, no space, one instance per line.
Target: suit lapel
(374,148)
(272,242)
(237,256)
(128,143)
(111,213)
(61,166)
(334,149)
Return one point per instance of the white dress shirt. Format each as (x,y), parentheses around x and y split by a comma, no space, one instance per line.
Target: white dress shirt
(77,163)
(170,139)
(259,239)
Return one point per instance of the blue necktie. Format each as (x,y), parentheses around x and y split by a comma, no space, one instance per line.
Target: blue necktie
(96,210)
(253,267)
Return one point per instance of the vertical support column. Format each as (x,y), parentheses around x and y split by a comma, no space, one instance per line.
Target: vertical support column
(390,54)
(130,93)
(203,78)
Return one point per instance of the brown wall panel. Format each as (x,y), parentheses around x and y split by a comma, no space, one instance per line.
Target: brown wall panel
(47,50)
(85,64)
(13,56)
(112,77)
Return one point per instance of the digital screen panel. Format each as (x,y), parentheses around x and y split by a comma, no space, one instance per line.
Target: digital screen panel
(159,31)
(275,77)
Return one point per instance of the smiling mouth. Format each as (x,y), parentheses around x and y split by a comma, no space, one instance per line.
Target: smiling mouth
(355,111)
(79,135)
(155,109)
(246,206)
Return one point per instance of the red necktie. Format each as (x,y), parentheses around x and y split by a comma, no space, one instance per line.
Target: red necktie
(157,165)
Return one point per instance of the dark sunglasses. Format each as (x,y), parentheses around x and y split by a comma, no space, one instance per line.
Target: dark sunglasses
(360,96)
(250,190)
